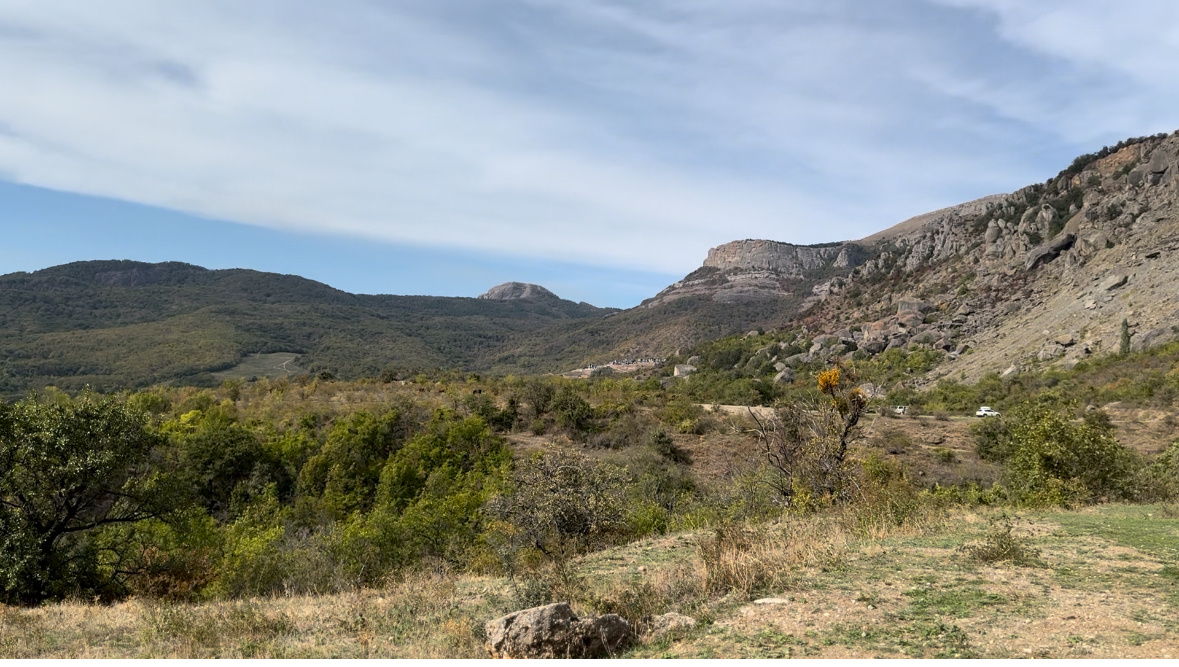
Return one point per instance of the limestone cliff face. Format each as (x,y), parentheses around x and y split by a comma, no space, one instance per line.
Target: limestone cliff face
(514,290)
(775,256)
(761,269)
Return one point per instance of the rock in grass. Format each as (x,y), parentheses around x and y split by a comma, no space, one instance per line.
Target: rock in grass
(671,622)
(554,631)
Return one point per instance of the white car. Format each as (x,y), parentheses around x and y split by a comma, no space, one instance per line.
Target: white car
(986,411)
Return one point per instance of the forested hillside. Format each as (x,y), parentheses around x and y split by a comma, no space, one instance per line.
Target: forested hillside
(115,324)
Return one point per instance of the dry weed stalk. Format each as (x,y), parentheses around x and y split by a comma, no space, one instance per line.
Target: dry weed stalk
(807,443)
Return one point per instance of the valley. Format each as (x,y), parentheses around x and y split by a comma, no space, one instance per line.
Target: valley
(233,463)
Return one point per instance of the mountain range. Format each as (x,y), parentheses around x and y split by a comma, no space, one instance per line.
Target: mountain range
(1040,276)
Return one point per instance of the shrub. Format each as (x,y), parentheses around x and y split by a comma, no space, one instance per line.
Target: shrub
(893,441)
(1162,476)
(992,439)
(627,430)
(1058,462)
(684,416)
(1001,546)
(654,481)
(571,412)
(885,495)
(562,503)
(665,446)
(345,472)
(538,397)
(253,561)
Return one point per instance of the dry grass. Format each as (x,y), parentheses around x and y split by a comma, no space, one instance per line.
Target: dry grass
(841,586)
(429,615)
(1001,546)
(752,560)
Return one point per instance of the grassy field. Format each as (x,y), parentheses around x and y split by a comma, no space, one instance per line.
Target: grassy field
(1100,582)
(274,365)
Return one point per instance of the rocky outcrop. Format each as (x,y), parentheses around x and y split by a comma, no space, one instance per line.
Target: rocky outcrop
(759,269)
(785,376)
(554,631)
(1112,282)
(1156,336)
(785,258)
(513,290)
(670,623)
(1049,251)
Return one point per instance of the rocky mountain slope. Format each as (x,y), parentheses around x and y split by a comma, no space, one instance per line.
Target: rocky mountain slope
(513,290)
(756,269)
(1043,276)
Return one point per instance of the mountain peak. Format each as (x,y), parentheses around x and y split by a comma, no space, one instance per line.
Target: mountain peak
(512,291)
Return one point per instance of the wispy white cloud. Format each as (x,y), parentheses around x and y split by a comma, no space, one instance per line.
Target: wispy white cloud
(630,134)
(1087,70)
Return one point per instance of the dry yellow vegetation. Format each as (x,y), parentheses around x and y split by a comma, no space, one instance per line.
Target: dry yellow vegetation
(1101,582)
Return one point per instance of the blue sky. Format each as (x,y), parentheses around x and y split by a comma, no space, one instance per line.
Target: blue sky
(597,147)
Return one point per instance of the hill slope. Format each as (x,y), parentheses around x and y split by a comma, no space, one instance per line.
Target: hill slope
(1047,276)
(119,323)
(1043,276)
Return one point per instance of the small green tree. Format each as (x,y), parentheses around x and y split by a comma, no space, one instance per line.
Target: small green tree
(992,439)
(344,474)
(1058,461)
(571,412)
(69,468)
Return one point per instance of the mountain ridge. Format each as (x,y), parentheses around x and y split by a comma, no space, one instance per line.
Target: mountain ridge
(1042,275)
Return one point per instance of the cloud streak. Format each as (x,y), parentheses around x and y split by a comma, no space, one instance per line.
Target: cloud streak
(617,134)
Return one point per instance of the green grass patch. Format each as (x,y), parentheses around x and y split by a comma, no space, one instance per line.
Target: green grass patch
(920,639)
(1141,527)
(927,602)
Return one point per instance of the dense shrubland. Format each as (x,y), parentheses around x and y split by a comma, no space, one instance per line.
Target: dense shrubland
(314,486)
(1138,379)
(738,370)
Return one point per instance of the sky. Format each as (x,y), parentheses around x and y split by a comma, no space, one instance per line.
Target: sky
(598,147)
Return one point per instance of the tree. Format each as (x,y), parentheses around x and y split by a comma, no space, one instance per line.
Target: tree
(67,469)
(1057,461)
(222,461)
